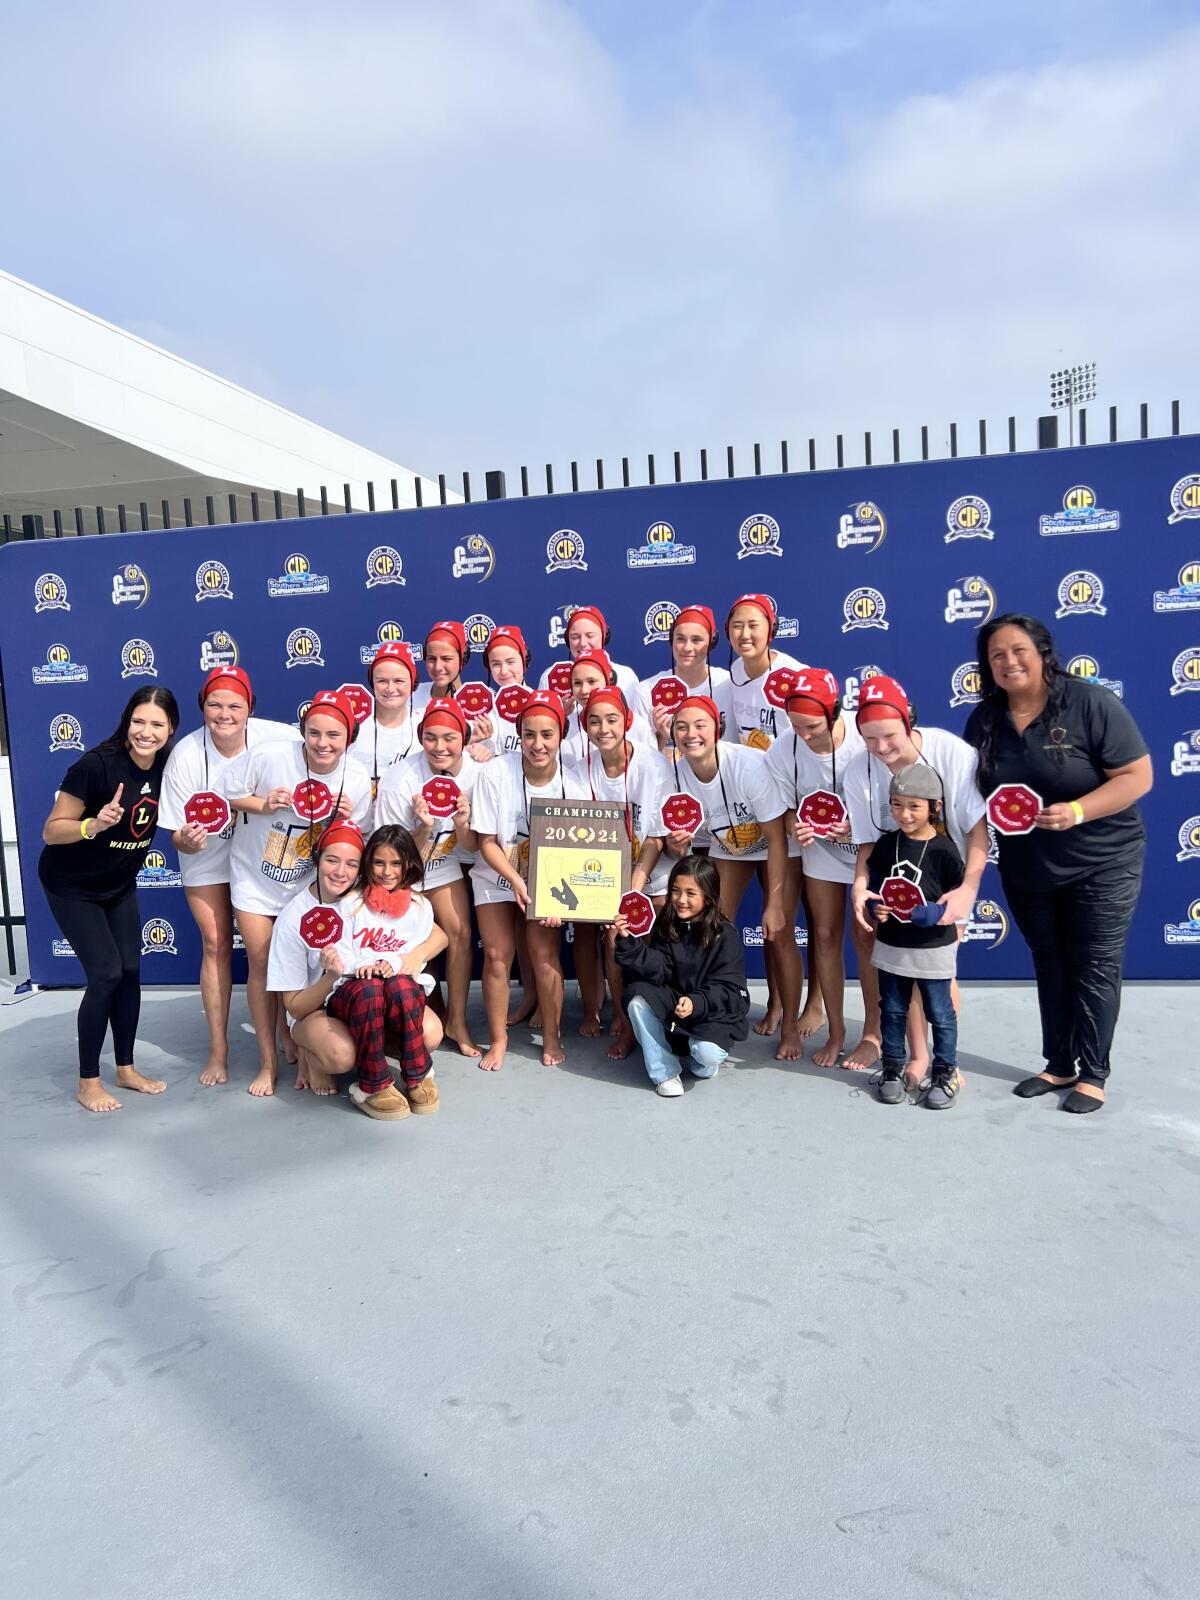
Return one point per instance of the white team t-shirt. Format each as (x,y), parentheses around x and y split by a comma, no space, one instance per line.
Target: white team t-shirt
(750,717)
(291,964)
(798,771)
(375,934)
(444,856)
(954,761)
(646,791)
(272,853)
(743,795)
(500,806)
(377,748)
(573,752)
(195,764)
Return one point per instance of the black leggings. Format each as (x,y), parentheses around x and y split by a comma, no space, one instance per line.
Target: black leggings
(106,935)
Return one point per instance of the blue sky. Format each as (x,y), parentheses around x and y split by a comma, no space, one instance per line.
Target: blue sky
(485,234)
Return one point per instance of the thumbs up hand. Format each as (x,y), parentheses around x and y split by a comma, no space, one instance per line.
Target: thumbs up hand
(109,815)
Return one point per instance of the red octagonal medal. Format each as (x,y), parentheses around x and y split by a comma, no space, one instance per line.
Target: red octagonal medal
(312,800)
(670,692)
(559,679)
(822,811)
(208,811)
(682,813)
(511,701)
(779,685)
(440,795)
(900,895)
(320,927)
(360,700)
(475,699)
(1012,808)
(638,912)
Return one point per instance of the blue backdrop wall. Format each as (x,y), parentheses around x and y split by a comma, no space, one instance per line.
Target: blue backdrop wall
(887,567)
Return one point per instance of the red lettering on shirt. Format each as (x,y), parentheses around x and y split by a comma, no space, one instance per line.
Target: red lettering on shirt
(379,940)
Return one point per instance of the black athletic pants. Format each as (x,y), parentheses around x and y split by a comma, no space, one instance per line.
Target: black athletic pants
(1077,935)
(106,935)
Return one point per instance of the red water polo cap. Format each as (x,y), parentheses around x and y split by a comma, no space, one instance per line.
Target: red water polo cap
(596,615)
(762,601)
(815,694)
(400,654)
(610,696)
(880,699)
(548,704)
(448,713)
(510,634)
(455,632)
(700,702)
(701,614)
(341,832)
(597,658)
(334,704)
(235,679)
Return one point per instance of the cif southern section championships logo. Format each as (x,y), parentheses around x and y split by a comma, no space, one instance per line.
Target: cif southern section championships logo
(1185,499)
(389,632)
(864,526)
(474,558)
(659,620)
(1186,594)
(564,551)
(130,587)
(660,549)
(297,577)
(303,648)
(1088,667)
(864,608)
(1185,758)
(966,686)
(50,593)
(137,659)
(384,565)
(1081,594)
(59,668)
(759,536)
(968,517)
(65,733)
(1079,514)
(218,649)
(970,600)
(1184,932)
(156,874)
(987,924)
(1185,671)
(158,938)
(212,581)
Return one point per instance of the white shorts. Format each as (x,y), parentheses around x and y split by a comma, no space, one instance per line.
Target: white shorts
(263,899)
(487,892)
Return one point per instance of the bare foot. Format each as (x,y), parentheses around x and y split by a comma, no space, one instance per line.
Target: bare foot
(302,1072)
(522,1012)
(214,1072)
(621,1045)
(264,1083)
(494,1059)
(93,1096)
(770,1023)
(827,1055)
(812,1020)
(553,1054)
(131,1078)
(791,1044)
(590,1027)
(914,1072)
(618,1025)
(320,1082)
(461,1036)
(864,1057)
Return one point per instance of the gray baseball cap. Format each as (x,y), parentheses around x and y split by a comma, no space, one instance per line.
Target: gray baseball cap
(918,782)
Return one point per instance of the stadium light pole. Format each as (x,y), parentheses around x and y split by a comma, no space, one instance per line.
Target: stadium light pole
(1071,387)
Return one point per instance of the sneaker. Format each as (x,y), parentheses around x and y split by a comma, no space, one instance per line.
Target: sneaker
(669,1088)
(942,1090)
(890,1083)
(388,1105)
(423,1096)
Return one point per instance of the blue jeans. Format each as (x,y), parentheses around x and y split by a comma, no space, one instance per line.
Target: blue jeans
(895,992)
(661,1062)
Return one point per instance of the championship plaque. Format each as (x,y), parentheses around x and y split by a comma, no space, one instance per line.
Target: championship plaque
(579,859)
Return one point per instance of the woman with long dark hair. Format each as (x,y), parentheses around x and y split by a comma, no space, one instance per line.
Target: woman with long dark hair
(1072,880)
(96,838)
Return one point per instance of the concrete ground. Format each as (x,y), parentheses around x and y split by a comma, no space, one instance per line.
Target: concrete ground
(566,1339)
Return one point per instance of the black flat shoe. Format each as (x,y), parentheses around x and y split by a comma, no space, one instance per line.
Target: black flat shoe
(1080,1103)
(1030,1088)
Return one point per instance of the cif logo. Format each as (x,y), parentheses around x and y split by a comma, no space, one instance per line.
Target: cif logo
(384,566)
(477,627)
(1189,840)
(158,938)
(130,586)
(1185,499)
(1088,667)
(1185,671)
(660,618)
(863,526)
(593,868)
(1185,758)
(156,874)
(852,688)
(864,608)
(564,552)
(474,558)
(966,686)
(1079,514)
(1185,596)
(970,600)
(137,659)
(1081,594)
(660,549)
(968,517)
(297,577)
(1184,932)
(389,632)
(303,648)
(759,536)
(212,581)
(50,593)
(988,924)
(65,734)
(59,667)
(218,649)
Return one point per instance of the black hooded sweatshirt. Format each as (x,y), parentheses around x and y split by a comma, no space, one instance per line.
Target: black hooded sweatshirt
(661,970)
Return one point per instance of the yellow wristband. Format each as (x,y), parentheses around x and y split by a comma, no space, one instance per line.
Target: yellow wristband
(83,833)
(1078,810)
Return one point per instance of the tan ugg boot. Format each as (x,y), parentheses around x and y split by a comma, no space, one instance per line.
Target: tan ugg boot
(423,1096)
(387,1105)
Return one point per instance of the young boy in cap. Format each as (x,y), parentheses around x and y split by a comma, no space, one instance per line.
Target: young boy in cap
(908,871)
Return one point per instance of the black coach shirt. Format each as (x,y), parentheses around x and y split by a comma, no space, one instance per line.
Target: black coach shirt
(100,868)
(1063,755)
